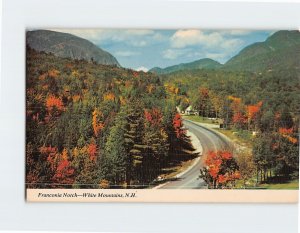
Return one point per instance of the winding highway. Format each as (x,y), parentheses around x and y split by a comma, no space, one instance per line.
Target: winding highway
(210,141)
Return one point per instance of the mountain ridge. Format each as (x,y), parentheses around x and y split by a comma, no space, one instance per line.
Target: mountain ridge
(68,45)
(204,63)
(280,50)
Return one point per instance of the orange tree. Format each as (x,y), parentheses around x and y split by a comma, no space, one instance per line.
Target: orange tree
(221,170)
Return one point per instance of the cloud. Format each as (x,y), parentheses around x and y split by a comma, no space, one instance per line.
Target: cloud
(159,37)
(136,43)
(185,38)
(215,56)
(134,37)
(172,46)
(126,53)
(142,68)
(139,32)
(231,44)
(172,53)
(198,44)
(89,34)
(188,38)
(203,54)
(238,32)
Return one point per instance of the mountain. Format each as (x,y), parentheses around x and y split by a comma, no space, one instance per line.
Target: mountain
(205,63)
(68,45)
(280,50)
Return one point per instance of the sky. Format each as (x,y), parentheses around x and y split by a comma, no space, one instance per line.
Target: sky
(143,49)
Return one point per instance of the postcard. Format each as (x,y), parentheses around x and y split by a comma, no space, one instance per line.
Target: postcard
(168,115)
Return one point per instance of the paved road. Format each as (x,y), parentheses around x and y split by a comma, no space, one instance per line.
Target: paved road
(210,141)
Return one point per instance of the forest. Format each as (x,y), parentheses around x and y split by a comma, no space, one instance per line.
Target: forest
(261,106)
(102,126)
(95,126)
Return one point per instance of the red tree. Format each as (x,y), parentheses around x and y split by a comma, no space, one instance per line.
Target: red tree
(154,116)
(64,173)
(177,124)
(92,150)
(221,169)
(239,118)
(253,110)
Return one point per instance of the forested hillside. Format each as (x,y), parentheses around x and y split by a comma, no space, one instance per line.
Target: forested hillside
(68,45)
(95,126)
(91,125)
(280,51)
(266,104)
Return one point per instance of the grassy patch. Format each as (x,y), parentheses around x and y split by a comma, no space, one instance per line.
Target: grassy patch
(201,119)
(240,137)
(289,185)
(294,184)
(243,137)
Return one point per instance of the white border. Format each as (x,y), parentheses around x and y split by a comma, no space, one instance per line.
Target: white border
(15,214)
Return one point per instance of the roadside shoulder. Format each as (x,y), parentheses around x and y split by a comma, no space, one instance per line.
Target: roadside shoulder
(198,150)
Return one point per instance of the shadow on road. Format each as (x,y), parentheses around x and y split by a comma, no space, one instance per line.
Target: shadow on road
(181,154)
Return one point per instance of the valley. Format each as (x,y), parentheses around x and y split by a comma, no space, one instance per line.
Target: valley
(91,123)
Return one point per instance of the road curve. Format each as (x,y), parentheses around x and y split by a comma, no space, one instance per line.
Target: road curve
(210,141)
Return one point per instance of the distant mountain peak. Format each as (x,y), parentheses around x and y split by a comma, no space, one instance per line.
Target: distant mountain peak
(204,63)
(67,45)
(280,50)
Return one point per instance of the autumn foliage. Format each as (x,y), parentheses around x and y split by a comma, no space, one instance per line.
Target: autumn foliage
(53,73)
(64,173)
(236,103)
(253,110)
(177,124)
(204,92)
(77,110)
(74,107)
(60,167)
(221,169)
(110,96)
(239,118)
(135,74)
(153,116)
(53,103)
(285,131)
(243,114)
(97,124)
(288,134)
(92,150)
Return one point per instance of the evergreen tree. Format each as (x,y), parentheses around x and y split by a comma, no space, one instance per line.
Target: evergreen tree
(133,139)
(115,152)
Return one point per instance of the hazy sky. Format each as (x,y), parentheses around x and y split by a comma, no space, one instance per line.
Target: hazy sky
(139,49)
